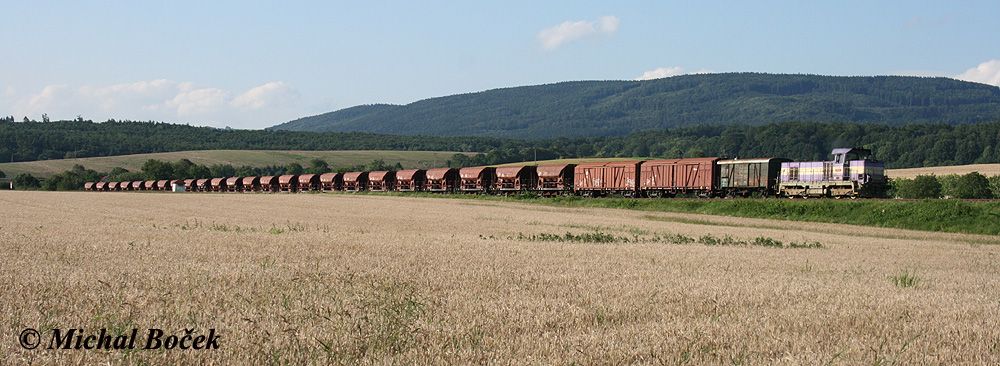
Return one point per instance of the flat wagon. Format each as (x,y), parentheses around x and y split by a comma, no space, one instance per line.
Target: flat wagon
(442,180)
(516,178)
(382,181)
(309,182)
(288,183)
(410,180)
(477,179)
(607,178)
(670,177)
(331,181)
(355,181)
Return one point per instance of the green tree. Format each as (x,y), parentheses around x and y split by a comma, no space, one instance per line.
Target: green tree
(294,168)
(923,186)
(156,169)
(2,174)
(318,166)
(26,181)
(972,185)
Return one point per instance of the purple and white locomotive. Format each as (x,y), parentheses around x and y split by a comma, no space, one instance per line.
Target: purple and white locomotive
(852,173)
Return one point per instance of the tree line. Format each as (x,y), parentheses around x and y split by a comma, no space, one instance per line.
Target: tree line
(913,145)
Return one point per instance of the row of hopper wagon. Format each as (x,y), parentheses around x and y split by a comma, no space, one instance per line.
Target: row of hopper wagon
(851,173)
(512,179)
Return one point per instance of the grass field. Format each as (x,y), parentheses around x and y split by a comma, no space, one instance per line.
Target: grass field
(332,279)
(984,169)
(409,159)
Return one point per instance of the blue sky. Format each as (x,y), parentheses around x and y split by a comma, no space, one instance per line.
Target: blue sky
(254,64)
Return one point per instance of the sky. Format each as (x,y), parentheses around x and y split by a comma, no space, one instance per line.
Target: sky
(249,64)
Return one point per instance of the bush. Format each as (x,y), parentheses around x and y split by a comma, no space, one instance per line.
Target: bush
(923,186)
(972,185)
(26,181)
(2,175)
(995,186)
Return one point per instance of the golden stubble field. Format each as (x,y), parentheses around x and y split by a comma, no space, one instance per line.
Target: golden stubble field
(334,278)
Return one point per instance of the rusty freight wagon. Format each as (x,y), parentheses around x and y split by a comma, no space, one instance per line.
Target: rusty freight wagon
(234,184)
(516,178)
(88,186)
(308,182)
(671,177)
(410,180)
(217,185)
(150,185)
(269,183)
(136,185)
(381,181)
(101,186)
(746,177)
(203,185)
(288,182)
(164,185)
(250,184)
(355,181)
(477,179)
(331,181)
(555,178)
(189,185)
(441,180)
(607,178)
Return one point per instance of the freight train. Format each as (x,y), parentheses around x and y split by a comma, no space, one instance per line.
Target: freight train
(851,173)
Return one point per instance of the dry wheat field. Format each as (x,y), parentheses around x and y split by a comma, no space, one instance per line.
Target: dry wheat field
(345,279)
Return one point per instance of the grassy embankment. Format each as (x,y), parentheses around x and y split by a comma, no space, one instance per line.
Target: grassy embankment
(955,216)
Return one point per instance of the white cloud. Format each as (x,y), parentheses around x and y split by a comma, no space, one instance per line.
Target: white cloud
(665,72)
(569,31)
(161,100)
(197,101)
(987,73)
(275,93)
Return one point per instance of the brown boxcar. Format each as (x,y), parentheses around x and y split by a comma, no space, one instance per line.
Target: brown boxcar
(269,183)
(136,185)
(234,184)
(150,185)
(101,186)
(441,180)
(355,181)
(250,184)
(678,176)
(88,186)
(410,180)
(381,181)
(516,178)
(288,182)
(605,178)
(190,185)
(217,185)
(555,178)
(308,182)
(331,181)
(112,186)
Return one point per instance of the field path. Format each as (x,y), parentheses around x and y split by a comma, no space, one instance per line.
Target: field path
(330,278)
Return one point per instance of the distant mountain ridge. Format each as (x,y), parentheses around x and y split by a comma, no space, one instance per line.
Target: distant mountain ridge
(614,108)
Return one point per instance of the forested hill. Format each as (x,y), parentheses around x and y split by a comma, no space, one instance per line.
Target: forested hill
(614,108)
